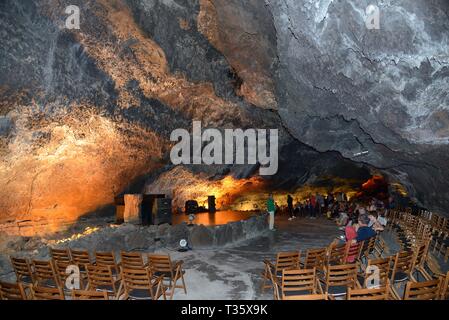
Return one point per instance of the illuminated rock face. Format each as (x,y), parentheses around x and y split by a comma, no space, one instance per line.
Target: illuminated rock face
(87,114)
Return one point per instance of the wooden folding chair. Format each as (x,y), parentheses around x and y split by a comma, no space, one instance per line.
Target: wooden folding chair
(81,258)
(309,297)
(89,295)
(23,270)
(382,293)
(45,274)
(336,254)
(353,252)
(382,266)
(284,260)
(402,268)
(140,284)
(276,285)
(315,258)
(61,255)
(428,290)
(299,282)
(339,278)
(107,259)
(131,260)
(419,264)
(45,293)
(100,278)
(171,271)
(12,291)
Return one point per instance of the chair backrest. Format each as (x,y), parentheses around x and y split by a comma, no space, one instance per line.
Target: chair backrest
(368,246)
(62,255)
(299,280)
(341,275)
(308,297)
(315,258)
(139,279)
(44,293)
(421,250)
(353,251)
(136,278)
(80,257)
(160,263)
(61,268)
(336,253)
(382,293)
(403,262)
(131,260)
(384,268)
(427,290)
(22,268)
(43,271)
(105,259)
(89,295)
(287,260)
(98,276)
(12,291)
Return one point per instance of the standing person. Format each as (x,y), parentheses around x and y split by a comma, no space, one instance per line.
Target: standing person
(313,206)
(271,208)
(290,207)
(320,203)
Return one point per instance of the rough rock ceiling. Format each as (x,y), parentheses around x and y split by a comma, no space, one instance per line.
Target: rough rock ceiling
(85,114)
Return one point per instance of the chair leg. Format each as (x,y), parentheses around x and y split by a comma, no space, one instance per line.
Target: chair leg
(183,283)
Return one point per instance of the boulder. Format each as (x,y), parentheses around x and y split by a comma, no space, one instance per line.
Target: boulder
(201,237)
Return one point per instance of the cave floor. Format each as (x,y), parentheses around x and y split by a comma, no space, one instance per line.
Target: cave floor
(235,272)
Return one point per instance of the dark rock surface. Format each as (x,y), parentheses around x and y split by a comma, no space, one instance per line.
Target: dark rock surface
(86,114)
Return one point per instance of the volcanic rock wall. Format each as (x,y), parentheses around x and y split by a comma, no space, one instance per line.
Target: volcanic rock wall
(86,113)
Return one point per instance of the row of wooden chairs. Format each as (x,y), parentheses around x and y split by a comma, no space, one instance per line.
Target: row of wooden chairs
(158,276)
(18,291)
(335,254)
(342,280)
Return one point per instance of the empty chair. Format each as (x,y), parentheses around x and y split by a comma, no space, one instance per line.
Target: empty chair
(339,278)
(107,259)
(60,255)
(80,257)
(382,293)
(315,258)
(23,270)
(139,284)
(101,278)
(131,260)
(284,260)
(45,293)
(427,290)
(336,254)
(45,274)
(299,282)
(172,271)
(380,267)
(12,291)
(402,268)
(89,295)
(419,271)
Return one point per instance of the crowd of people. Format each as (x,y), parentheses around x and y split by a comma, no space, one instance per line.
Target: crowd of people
(352,217)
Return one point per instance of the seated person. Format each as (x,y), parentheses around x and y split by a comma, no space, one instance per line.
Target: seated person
(364,232)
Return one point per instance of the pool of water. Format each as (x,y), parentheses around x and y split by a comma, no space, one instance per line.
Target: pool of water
(215,219)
